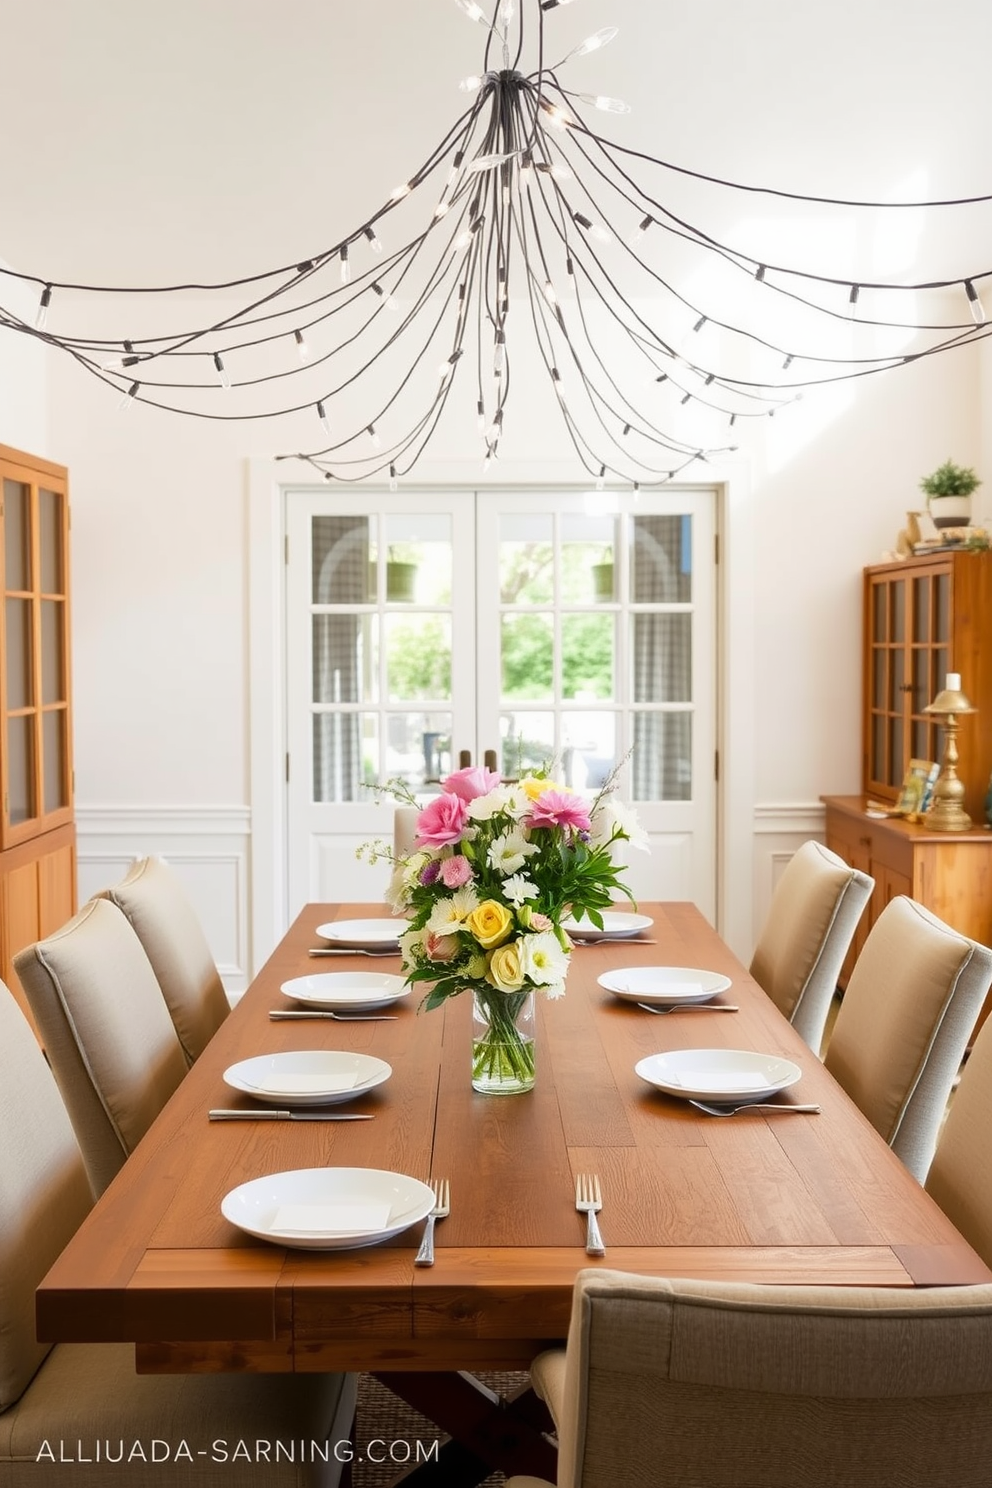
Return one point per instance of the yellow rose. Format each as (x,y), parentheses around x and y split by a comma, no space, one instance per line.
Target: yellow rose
(491,923)
(533,788)
(505,969)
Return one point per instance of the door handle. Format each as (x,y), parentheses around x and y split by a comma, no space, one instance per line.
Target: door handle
(464,759)
(490,759)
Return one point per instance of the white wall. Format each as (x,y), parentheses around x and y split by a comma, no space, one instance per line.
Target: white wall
(23,382)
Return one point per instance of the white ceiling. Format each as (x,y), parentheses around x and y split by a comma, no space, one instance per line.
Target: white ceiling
(158,141)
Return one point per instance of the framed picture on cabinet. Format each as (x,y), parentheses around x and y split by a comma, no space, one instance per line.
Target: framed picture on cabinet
(917,788)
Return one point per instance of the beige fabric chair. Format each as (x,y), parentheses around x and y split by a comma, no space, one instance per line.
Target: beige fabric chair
(164,920)
(960,1176)
(71,1398)
(910,1006)
(692,1384)
(814,912)
(106,1030)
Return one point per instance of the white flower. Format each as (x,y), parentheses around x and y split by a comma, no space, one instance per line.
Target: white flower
(484,808)
(451,912)
(510,850)
(545,962)
(615,816)
(554,990)
(517,888)
(411,941)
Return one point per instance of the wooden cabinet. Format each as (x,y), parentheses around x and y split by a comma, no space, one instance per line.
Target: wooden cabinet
(923,618)
(948,872)
(37,831)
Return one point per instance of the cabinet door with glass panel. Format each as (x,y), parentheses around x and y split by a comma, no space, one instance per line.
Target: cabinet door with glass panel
(35,765)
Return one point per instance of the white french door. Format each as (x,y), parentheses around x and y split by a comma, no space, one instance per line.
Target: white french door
(528,626)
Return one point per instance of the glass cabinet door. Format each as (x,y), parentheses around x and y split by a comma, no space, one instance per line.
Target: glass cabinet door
(35,764)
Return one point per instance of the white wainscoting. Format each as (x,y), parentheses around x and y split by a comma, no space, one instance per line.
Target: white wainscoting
(208,846)
(779,829)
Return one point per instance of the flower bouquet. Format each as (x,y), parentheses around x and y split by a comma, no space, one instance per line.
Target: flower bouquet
(495,871)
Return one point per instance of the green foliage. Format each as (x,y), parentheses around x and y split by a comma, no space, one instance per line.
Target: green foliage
(950,480)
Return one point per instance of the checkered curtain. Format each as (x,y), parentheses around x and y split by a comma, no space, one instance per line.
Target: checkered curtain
(661,573)
(340,575)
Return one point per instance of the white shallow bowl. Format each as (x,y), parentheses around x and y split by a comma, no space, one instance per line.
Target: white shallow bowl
(363,935)
(307,1077)
(346,991)
(615,923)
(663,985)
(323,1208)
(731,1075)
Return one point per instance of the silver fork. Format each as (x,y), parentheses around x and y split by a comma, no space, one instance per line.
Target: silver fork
(589,1201)
(442,1207)
(349,951)
(754,1106)
(278,1013)
(690,1007)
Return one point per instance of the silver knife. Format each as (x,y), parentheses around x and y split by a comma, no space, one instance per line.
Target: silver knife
(277,1013)
(350,951)
(276,1115)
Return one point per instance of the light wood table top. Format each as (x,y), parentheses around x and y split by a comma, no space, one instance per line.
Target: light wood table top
(772,1199)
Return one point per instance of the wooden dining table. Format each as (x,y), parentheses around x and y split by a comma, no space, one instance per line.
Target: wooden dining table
(770,1198)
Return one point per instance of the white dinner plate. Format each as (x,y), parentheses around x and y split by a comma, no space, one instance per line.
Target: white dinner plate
(734,1075)
(614,924)
(307,1077)
(663,985)
(346,991)
(363,935)
(328,1208)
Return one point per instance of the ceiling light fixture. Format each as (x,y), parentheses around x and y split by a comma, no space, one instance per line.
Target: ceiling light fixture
(529,240)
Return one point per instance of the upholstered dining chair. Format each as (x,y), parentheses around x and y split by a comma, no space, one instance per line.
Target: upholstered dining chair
(164,920)
(909,1008)
(812,918)
(78,1398)
(106,1030)
(960,1176)
(699,1384)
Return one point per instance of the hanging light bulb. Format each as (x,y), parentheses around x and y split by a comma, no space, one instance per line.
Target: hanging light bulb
(700,323)
(526,169)
(480,410)
(441,210)
(471,84)
(495,428)
(392,477)
(471,9)
(506,12)
(302,348)
(399,192)
(594,42)
(974,303)
(371,432)
(345,265)
(120,363)
(549,293)
(852,299)
(456,162)
(553,4)
(787,363)
(373,238)
(601,478)
(325,422)
(487,462)
(641,229)
(41,315)
(499,354)
(594,229)
(387,299)
(759,273)
(558,118)
(604,104)
(222,372)
(128,398)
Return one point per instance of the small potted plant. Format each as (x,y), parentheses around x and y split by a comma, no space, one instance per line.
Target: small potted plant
(948,491)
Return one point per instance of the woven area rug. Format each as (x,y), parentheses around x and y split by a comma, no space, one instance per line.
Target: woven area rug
(388,1432)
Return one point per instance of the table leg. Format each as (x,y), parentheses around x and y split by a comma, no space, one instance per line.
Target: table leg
(488,1431)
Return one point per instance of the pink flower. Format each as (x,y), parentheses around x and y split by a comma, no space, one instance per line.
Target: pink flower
(539,921)
(440,947)
(455,872)
(559,809)
(441,822)
(471,782)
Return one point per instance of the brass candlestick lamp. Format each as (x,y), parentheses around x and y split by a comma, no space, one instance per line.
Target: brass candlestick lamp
(947,813)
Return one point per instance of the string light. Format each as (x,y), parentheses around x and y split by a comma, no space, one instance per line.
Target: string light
(507,209)
(975,304)
(392,477)
(128,398)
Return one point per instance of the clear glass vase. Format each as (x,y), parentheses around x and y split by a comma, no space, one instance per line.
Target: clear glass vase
(502,1041)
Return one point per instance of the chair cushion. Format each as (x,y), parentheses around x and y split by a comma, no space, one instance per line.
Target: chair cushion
(108,1034)
(44,1194)
(547,1376)
(87,1399)
(960,1176)
(164,920)
(908,1011)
